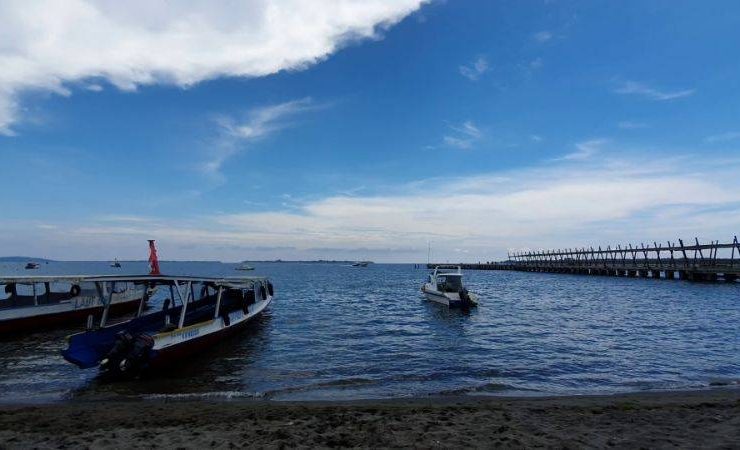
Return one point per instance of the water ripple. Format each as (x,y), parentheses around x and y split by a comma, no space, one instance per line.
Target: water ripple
(338,332)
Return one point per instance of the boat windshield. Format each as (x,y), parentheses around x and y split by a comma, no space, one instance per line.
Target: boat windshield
(449,283)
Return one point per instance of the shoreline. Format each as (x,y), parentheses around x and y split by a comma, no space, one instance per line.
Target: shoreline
(700,418)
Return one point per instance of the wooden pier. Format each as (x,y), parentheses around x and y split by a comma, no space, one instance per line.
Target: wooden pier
(694,262)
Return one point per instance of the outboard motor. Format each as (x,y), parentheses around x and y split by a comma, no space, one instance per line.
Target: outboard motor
(249,299)
(129,355)
(75,290)
(465,300)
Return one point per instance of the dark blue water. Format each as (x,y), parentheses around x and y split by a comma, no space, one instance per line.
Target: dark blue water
(339,332)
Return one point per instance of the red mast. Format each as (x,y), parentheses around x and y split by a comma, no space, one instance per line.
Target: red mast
(153,260)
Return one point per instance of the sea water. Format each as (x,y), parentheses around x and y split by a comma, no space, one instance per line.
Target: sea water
(336,332)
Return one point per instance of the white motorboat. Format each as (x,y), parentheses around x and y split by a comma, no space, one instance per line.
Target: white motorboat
(243,266)
(445,286)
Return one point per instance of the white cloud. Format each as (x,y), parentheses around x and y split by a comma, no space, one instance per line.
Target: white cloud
(476,69)
(542,36)
(458,142)
(585,150)
(464,136)
(630,125)
(636,88)
(119,218)
(536,63)
(603,200)
(536,138)
(258,124)
(50,45)
(8,110)
(267,119)
(724,137)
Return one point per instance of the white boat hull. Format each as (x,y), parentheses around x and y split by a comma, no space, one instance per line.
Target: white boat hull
(451,299)
(440,298)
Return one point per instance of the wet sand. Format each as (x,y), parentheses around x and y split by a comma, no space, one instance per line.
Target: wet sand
(699,419)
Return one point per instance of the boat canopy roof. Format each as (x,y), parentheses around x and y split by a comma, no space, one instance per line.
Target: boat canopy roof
(449,271)
(148,279)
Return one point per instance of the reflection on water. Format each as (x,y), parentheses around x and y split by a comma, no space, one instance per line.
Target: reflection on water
(338,332)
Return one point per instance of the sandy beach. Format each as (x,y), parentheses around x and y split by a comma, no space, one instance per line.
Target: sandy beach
(698,419)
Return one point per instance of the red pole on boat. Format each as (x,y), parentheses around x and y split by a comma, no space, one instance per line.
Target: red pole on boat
(153,260)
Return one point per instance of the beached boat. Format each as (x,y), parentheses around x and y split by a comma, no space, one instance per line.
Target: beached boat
(445,286)
(209,310)
(199,312)
(29,304)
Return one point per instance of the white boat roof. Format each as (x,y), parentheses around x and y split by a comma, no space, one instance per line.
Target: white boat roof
(160,279)
(448,270)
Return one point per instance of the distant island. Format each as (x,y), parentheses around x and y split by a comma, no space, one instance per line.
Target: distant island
(318,261)
(23,259)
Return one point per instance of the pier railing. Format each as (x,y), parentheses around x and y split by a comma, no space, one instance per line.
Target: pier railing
(694,261)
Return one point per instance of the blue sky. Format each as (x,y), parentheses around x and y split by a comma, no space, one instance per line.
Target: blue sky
(365,130)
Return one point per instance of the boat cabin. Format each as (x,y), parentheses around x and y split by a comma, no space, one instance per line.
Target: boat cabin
(446,279)
(447,282)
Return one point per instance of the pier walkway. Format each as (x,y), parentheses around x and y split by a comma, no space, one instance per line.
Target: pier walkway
(695,262)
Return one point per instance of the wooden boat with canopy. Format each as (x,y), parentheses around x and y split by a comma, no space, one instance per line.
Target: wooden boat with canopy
(198,312)
(34,303)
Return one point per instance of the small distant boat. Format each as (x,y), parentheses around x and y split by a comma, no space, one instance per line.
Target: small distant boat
(445,286)
(360,264)
(115,263)
(243,266)
(32,265)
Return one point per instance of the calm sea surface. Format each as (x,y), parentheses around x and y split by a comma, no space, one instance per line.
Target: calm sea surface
(340,332)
